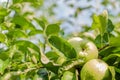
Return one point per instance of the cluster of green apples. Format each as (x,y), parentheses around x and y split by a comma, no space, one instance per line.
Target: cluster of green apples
(93,68)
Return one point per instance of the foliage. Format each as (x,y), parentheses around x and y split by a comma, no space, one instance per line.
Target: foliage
(52,57)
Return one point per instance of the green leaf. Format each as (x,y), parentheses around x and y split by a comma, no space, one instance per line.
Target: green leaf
(105,38)
(115,41)
(34,32)
(3,12)
(111,56)
(110,26)
(3,65)
(69,65)
(63,46)
(16,33)
(41,23)
(22,23)
(107,51)
(52,55)
(4,55)
(50,65)
(52,29)
(26,44)
(100,22)
(117,70)
(43,73)
(17,1)
(98,41)
(101,40)
(3,37)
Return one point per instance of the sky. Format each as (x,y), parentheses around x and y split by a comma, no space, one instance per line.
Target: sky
(3,0)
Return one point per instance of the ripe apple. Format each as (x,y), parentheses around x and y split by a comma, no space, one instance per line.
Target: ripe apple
(95,69)
(85,49)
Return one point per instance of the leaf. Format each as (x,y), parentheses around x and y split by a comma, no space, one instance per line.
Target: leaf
(52,55)
(101,40)
(22,23)
(3,65)
(100,22)
(98,41)
(4,55)
(107,51)
(117,70)
(110,26)
(63,46)
(115,41)
(111,56)
(70,64)
(112,70)
(105,38)
(50,65)
(18,1)
(3,38)
(43,73)
(41,23)
(34,32)
(52,29)
(16,33)
(3,12)
(26,44)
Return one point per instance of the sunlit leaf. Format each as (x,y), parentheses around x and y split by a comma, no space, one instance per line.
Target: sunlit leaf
(27,44)
(16,33)
(34,32)
(22,23)
(63,46)
(41,23)
(115,41)
(3,13)
(100,22)
(3,65)
(52,55)
(52,29)
(3,37)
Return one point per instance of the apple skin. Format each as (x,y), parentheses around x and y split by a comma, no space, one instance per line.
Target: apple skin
(67,75)
(85,49)
(95,69)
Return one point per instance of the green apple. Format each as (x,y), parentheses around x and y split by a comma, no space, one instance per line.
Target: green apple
(85,49)
(95,69)
(67,75)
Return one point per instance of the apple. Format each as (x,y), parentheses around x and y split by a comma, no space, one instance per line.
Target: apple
(85,49)
(95,69)
(67,75)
